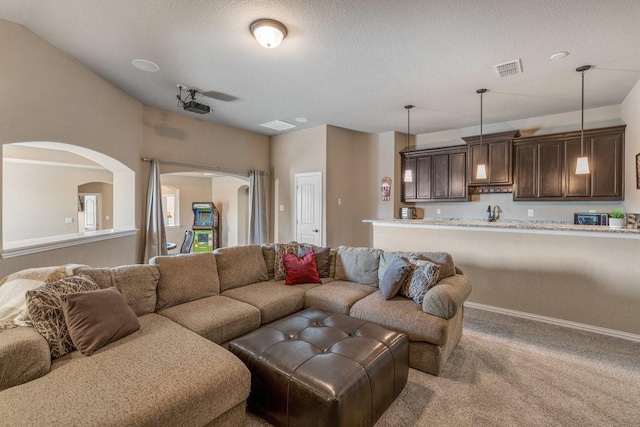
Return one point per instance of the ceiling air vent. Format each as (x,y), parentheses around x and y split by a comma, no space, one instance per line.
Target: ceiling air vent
(277,125)
(508,68)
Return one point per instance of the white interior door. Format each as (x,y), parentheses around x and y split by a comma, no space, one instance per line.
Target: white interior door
(309,208)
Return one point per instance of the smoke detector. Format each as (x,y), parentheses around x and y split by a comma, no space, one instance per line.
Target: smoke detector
(508,68)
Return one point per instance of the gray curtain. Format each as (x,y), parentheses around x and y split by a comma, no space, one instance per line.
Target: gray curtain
(258,211)
(155,238)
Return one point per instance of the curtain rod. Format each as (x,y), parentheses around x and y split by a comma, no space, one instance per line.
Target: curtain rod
(207,168)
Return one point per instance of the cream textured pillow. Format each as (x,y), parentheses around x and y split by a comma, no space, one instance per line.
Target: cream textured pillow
(45,308)
(425,275)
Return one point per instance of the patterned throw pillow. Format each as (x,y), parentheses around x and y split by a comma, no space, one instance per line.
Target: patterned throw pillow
(279,272)
(424,276)
(45,309)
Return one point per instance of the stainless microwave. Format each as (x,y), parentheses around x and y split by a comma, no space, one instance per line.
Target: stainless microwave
(586,218)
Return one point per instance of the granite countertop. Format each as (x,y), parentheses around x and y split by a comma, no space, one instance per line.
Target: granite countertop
(509,224)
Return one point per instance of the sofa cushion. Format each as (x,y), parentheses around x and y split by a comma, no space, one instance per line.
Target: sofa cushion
(45,309)
(404,315)
(337,296)
(269,255)
(185,277)
(217,318)
(443,259)
(240,266)
(97,318)
(279,272)
(358,265)
(273,299)
(323,259)
(161,375)
(422,278)
(394,277)
(301,270)
(137,283)
(24,356)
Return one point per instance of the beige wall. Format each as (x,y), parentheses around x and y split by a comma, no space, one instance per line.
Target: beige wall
(292,153)
(37,198)
(228,200)
(52,97)
(580,278)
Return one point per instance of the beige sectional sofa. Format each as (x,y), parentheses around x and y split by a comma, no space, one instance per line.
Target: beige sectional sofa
(175,369)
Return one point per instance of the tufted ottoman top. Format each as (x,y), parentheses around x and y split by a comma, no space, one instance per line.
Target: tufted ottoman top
(322,368)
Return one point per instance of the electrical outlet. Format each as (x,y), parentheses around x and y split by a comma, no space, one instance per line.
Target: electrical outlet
(530,212)
(339,202)
(438,211)
(106,217)
(281,208)
(68,220)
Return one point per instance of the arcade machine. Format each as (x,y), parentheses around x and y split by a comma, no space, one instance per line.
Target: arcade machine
(206,227)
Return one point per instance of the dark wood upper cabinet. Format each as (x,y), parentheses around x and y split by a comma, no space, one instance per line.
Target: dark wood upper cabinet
(545,166)
(439,174)
(496,153)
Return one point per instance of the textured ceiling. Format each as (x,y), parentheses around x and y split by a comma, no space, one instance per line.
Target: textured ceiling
(356,63)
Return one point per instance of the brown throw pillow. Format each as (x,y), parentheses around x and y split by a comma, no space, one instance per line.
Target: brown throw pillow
(45,309)
(323,259)
(279,272)
(98,318)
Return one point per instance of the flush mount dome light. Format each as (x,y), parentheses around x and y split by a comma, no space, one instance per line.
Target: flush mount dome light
(145,65)
(268,32)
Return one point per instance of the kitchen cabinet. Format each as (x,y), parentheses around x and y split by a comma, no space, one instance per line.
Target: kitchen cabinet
(496,153)
(545,166)
(439,174)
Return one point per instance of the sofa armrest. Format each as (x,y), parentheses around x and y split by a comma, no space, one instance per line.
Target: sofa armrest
(24,356)
(446,298)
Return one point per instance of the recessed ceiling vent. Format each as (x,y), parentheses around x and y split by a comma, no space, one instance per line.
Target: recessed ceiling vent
(278,125)
(508,68)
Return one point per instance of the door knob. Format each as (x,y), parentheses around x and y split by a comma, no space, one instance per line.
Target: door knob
(315,231)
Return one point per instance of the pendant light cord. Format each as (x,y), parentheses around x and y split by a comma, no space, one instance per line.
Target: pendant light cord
(408,107)
(582,119)
(481,92)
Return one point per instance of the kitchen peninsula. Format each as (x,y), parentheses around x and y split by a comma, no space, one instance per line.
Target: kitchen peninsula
(581,276)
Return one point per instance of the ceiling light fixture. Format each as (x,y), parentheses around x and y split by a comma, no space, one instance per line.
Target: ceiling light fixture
(268,32)
(559,55)
(408,174)
(582,165)
(481,172)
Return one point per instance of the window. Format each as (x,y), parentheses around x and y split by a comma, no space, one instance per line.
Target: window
(44,194)
(171,206)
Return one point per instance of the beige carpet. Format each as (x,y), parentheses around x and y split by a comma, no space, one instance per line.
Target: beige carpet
(508,371)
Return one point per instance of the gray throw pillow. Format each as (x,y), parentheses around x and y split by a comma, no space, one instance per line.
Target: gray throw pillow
(394,276)
(323,260)
(98,318)
(359,265)
(425,276)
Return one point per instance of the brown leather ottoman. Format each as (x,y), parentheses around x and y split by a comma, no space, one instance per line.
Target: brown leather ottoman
(323,369)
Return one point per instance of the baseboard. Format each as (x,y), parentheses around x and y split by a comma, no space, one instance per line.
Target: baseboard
(555,321)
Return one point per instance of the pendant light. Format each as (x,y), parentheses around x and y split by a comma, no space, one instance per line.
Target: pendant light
(481,172)
(582,165)
(408,174)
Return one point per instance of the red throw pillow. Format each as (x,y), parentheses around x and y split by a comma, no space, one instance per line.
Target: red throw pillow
(301,270)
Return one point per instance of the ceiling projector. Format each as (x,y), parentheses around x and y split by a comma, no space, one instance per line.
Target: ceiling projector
(196,107)
(190,103)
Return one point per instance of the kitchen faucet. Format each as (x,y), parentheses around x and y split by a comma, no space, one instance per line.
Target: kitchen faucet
(493,215)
